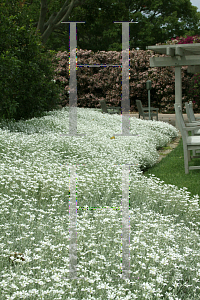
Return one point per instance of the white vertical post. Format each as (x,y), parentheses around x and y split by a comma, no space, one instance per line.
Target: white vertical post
(125,223)
(73,82)
(125,80)
(149,103)
(72,225)
(125,132)
(178,88)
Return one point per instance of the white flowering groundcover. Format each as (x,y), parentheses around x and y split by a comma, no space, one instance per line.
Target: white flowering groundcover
(34,212)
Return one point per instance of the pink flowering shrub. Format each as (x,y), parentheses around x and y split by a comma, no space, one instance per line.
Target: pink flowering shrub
(95,84)
(183,40)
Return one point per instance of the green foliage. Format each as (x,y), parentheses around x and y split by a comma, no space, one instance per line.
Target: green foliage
(99,33)
(156,23)
(26,71)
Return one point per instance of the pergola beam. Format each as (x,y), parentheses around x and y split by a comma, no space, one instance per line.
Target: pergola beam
(170,51)
(179,55)
(188,49)
(179,51)
(192,60)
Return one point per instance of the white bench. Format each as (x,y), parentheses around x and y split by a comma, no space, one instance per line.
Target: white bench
(189,142)
(142,109)
(109,110)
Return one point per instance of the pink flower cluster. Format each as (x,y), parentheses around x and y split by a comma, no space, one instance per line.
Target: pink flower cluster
(182,40)
(186,40)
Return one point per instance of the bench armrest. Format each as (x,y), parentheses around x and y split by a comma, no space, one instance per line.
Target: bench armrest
(192,124)
(151,108)
(114,107)
(191,128)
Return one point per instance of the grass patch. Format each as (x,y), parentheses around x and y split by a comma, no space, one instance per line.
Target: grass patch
(171,170)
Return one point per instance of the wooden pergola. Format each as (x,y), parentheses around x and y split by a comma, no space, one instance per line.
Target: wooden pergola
(179,55)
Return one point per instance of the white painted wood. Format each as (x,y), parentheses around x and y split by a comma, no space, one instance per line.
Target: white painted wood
(189,49)
(190,112)
(110,110)
(170,51)
(180,55)
(141,110)
(192,121)
(178,88)
(189,142)
(179,51)
(191,60)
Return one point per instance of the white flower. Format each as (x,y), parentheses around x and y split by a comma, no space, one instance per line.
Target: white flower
(13,286)
(103,286)
(153,270)
(175,284)
(4,283)
(39,281)
(159,278)
(56,277)
(24,283)
(164,261)
(32,217)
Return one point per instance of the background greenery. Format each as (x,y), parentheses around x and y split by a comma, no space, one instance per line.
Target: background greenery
(156,23)
(27,85)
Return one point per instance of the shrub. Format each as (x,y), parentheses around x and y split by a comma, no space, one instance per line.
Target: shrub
(27,88)
(94,84)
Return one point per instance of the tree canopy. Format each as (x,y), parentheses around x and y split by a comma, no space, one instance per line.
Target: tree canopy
(157,22)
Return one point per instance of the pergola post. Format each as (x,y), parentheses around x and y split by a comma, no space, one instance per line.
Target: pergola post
(178,89)
(178,55)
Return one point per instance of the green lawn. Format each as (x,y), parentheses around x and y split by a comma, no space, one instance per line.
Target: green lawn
(172,171)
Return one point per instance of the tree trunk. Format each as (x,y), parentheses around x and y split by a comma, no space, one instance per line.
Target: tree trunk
(45,29)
